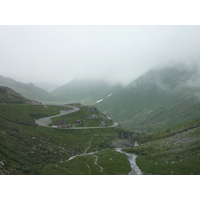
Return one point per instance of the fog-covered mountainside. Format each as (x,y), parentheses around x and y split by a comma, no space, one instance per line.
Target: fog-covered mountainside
(159,99)
(86,92)
(29,91)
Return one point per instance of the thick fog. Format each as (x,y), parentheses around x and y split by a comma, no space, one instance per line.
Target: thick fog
(51,56)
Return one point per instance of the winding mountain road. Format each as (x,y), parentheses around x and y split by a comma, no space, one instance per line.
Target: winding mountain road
(131,157)
(47,120)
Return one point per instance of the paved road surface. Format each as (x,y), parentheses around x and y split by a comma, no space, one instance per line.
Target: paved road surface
(47,120)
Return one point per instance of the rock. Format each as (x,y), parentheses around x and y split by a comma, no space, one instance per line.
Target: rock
(121,143)
(3,133)
(2,163)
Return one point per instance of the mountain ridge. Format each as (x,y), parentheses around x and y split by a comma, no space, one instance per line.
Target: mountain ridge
(85,91)
(154,99)
(29,91)
(158,99)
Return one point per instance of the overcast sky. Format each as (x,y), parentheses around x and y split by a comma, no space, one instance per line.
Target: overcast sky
(57,54)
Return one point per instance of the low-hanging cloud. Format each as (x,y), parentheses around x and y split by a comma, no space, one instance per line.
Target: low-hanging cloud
(57,54)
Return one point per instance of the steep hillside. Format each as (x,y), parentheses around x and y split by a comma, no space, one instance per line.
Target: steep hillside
(159,99)
(174,151)
(26,148)
(86,92)
(29,91)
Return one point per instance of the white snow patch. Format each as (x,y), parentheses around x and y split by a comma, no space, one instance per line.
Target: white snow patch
(109,95)
(99,101)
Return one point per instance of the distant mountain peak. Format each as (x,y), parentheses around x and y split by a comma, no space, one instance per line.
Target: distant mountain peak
(169,77)
(158,99)
(86,91)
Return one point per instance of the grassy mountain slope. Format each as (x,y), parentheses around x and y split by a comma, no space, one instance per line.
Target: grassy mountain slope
(86,92)
(159,99)
(174,151)
(26,148)
(29,91)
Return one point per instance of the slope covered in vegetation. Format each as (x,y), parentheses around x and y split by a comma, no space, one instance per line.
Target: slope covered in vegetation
(26,148)
(173,151)
(86,92)
(159,99)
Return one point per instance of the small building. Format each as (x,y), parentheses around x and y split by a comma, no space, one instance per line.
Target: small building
(78,122)
(92,117)
(61,124)
(102,124)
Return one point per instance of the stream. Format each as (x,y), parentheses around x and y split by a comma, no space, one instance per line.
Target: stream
(83,154)
(131,157)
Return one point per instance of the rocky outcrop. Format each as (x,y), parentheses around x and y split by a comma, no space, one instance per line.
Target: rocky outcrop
(8,95)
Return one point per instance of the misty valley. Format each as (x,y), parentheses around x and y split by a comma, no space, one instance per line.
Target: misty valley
(150,126)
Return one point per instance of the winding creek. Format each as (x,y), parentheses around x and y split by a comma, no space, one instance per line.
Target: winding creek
(131,157)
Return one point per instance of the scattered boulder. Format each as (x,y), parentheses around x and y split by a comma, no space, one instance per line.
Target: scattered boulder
(121,144)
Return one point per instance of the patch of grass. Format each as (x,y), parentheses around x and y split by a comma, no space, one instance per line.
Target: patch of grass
(83,165)
(174,151)
(177,164)
(113,163)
